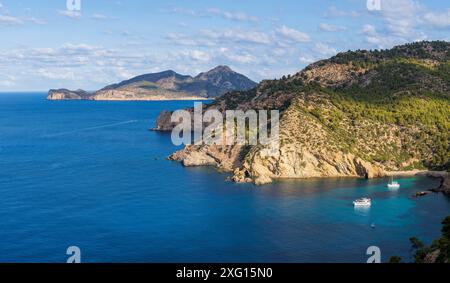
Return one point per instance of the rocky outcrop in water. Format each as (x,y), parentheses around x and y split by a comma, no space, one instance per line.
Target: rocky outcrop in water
(65,94)
(164,123)
(444,187)
(223,158)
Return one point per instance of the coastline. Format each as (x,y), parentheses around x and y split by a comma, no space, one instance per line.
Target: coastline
(150,99)
(427,173)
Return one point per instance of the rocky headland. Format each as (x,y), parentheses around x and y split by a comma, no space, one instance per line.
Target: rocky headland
(167,85)
(65,94)
(357,114)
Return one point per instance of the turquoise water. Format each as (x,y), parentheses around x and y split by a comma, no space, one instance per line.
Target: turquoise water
(90,174)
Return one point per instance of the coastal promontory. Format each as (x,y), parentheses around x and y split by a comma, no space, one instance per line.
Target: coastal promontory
(166,85)
(360,113)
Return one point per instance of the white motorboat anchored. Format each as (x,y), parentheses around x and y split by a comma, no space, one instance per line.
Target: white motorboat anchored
(363,202)
(393,184)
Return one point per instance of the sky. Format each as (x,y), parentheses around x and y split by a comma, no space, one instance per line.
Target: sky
(54,44)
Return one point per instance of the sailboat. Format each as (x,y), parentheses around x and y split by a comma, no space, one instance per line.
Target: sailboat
(393,184)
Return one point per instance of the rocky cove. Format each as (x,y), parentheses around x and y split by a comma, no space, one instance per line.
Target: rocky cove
(229,159)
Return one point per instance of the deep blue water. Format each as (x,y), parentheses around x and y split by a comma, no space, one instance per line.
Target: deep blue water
(90,174)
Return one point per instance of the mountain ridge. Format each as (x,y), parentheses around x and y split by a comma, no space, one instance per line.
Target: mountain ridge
(165,85)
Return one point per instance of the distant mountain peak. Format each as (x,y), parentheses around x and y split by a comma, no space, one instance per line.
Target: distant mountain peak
(221,68)
(222,80)
(169,72)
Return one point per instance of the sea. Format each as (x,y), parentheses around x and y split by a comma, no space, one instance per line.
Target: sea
(91,175)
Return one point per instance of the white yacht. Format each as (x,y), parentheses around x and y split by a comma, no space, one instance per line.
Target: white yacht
(393,184)
(363,202)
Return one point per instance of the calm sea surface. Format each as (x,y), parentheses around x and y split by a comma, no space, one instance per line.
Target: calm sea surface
(90,174)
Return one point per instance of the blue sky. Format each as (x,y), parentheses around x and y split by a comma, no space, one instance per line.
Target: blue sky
(46,45)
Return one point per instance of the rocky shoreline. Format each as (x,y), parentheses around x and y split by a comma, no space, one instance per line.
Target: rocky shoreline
(228,161)
(342,117)
(444,187)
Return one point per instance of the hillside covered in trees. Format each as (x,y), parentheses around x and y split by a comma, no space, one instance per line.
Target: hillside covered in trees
(359,113)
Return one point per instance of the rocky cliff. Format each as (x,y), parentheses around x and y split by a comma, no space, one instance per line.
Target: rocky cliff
(65,94)
(167,85)
(360,113)
(444,187)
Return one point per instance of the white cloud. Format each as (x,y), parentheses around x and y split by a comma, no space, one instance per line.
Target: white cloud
(237,35)
(10,21)
(369,30)
(293,34)
(5,83)
(333,12)
(330,28)
(182,39)
(239,16)
(439,20)
(404,21)
(99,17)
(307,59)
(240,58)
(229,15)
(56,74)
(400,17)
(184,11)
(79,66)
(379,40)
(196,55)
(36,21)
(324,49)
(76,15)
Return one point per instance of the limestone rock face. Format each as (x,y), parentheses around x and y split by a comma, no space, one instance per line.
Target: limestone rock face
(164,123)
(65,94)
(194,158)
(223,158)
(307,150)
(301,163)
(445,185)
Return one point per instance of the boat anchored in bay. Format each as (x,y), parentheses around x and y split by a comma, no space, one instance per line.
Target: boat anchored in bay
(362,202)
(393,184)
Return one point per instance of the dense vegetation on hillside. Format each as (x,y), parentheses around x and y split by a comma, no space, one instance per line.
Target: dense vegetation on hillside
(358,113)
(406,88)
